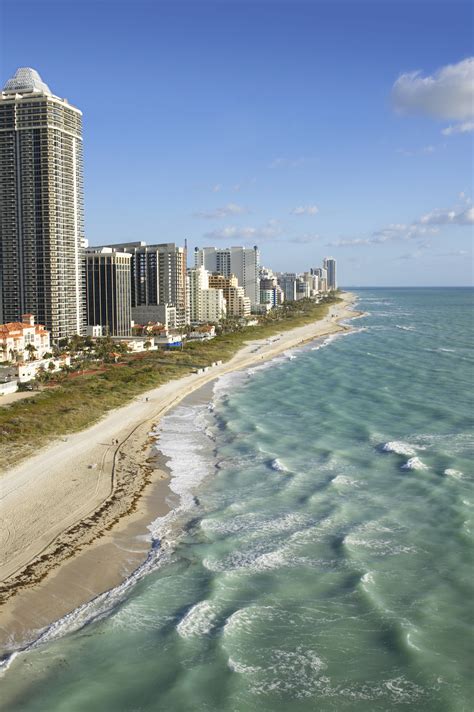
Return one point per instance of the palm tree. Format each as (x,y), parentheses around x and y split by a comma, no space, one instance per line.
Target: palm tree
(31,348)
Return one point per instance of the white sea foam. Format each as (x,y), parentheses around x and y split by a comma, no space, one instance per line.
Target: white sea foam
(294,673)
(256,523)
(414,463)
(96,609)
(381,547)
(328,340)
(410,642)
(448,444)
(278,466)
(401,448)
(228,382)
(368,578)
(405,328)
(250,560)
(242,620)
(198,621)
(457,474)
(343,481)
(235,666)
(183,438)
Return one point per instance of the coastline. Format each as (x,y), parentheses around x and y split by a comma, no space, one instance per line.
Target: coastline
(94,523)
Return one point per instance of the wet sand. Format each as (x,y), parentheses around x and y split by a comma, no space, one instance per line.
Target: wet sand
(73,531)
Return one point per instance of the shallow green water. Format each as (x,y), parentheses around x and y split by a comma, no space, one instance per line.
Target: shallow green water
(326,558)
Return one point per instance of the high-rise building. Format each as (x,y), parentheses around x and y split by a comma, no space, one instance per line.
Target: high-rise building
(41,206)
(270,291)
(287,282)
(108,290)
(158,279)
(242,262)
(329,264)
(206,304)
(237,304)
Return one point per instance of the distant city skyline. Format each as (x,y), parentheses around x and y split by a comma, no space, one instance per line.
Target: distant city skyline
(306,128)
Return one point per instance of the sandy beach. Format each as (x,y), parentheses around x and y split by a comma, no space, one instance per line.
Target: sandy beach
(75,516)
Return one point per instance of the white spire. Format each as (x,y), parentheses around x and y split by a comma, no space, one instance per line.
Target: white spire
(26,81)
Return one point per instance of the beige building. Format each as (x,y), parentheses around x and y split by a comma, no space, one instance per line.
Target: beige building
(206,304)
(23,341)
(240,262)
(41,206)
(236,302)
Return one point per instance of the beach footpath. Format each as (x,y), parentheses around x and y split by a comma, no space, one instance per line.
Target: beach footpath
(75,515)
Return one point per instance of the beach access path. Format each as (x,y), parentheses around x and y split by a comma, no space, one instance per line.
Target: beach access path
(68,481)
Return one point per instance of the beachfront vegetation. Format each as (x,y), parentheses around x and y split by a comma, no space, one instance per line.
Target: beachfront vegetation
(75,398)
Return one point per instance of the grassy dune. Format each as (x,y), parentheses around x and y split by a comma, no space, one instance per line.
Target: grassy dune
(81,400)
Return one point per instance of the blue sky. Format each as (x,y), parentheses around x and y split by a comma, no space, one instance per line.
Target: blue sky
(298,126)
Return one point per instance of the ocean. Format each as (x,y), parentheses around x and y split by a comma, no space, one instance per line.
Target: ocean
(321,558)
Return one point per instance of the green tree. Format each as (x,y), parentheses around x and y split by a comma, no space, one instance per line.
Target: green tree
(31,348)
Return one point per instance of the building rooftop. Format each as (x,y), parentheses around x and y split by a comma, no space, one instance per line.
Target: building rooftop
(26,81)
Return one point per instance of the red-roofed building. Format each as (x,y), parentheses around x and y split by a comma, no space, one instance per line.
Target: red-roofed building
(23,341)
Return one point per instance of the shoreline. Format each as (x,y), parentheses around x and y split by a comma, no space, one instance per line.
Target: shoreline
(63,555)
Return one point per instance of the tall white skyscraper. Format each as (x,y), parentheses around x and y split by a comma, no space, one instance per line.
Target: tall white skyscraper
(242,262)
(41,206)
(329,264)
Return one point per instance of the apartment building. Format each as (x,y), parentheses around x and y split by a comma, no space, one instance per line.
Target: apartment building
(23,340)
(206,304)
(241,262)
(41,206)
(158,279)
(237,303)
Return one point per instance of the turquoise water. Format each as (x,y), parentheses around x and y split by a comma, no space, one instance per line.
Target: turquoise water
(322,559)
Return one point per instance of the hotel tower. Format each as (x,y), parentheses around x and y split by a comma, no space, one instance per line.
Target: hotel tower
(41,207)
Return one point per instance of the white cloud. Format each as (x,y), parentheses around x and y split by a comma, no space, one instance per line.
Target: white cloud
(425,227)
(304,239)
(305,210)
(224,212)
(290,162)
(456,216)
(446,94)
(454,253)
(270,231)
(216,188)
(465,127)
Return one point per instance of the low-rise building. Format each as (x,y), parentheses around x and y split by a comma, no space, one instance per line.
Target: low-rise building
(203,333)
(169,341)
(23,341)
(29,370)
(137,344)
(164,314)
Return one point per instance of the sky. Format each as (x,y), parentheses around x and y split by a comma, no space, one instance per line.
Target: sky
(309,128)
